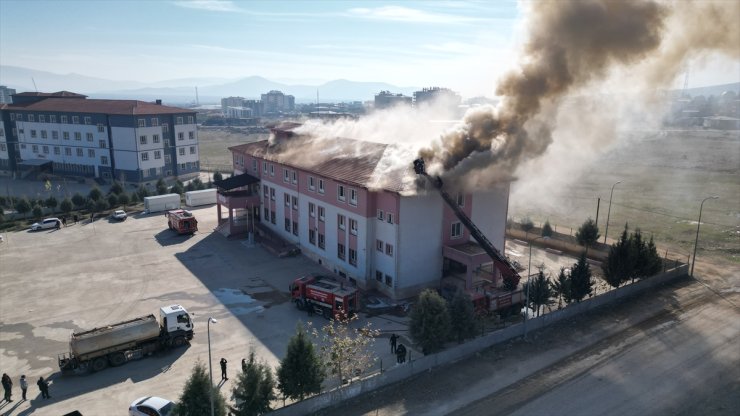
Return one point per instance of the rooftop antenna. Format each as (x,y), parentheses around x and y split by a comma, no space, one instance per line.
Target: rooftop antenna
(34,85)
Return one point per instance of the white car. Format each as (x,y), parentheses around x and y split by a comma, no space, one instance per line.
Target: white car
(47,223)
(151,406)
(119,215)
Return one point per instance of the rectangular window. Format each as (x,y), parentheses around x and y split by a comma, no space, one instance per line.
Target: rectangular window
(287,224)
(30,118)
(89,137)
(321,186)
(180,136)
(12,116)
(55,135)
(295,227)
(353,197)
(286,177)
(191,135)
(155,138)
(42,118)
(295,178)
(265,192)
(321,213)
(287,200)
(353,257)
(155,122)
(272,170)
(264,167)
(311,183)
(101,129)
(35,148)
(379,245)
(353,226)
(91,153)
(57,150)
(254,165)
(65,135)
(167,159)
(80,153)
(52,119)
(388,281)
(179,120)
(267,214)
(181,151)
(379,276)
(78,135)
(190,120)
(322,242)
(165,128)
(456,231)
(340,193)
(142,139)
(340,221)
(2,133)
(43,134)
(192,150)
(381,216)
(312,236)
(144,156)
(389,250)
(75,119)
(103,160)
(311,209)
(102,144)
(64,119)
(33,134)
(272,217)
(142,122)
(460,200)
(88,120)
(340,251)
(389,216)
(68,151)
(272,193)
(45,149)
(157,154)
(294,199)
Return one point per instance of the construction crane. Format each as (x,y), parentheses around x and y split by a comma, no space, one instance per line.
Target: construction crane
(510,276)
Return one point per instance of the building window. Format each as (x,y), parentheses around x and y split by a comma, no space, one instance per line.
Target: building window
(340,221)
(155,138)
(353,226)
(322,241)
(2,133)
(80,153)
(57,150)
(91,153)
(340,251)
(191,135)
(103,160)
(295,178)
(272,170)
(265,192)
(55,135)
(157,154)
(65,135)
(12,116)
(379,276)
(30,118)
(64,119)
(181,151)
(33,134)
(264,167)
(272,217)
(179,120)
(75,119)
(155,122)
(388,281)
(45,150)
(379,245)
(142,122)
(286,178)
(340,193)
(456,230)
(311,183)
(295,202)
(353,197)
(267,214)
(192,150)
(460,200)
(20,131)
(254,165)
(287,200)
(272,193)
(180,136)
(167,159)
(88,120)
(52,119)
(43,134)
(165,128)
(144,156)
(142,139)
(321,213)
(295,227)
(42,119)
(101,129)
(68,151)
(78,135)
(312,236)
(287,224)
(311,209)
(190,120)
(353,257)
(89,137)
(321,186)
(389,250)
(389,216)
(102,144)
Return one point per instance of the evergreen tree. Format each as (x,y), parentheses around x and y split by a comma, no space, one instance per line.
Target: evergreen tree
(112,200)
(637,251)
(547,229)
(562,288)
(123,199)
(587,234)
(134,198)
(23,206)
(617,267)
(300,373)
(66,206)
(190,186)
(37,212)
(142,192)
(653,263)
(177,188)
(429,323)
(254,389)
(581,284)
(95,194)
(116,188)
(346,351)
(195,399)
(51,203)
(78,200)
(540,292)
(161,187)
(462,317)
(527,226)
(217,176)
(198,184)
(101,205)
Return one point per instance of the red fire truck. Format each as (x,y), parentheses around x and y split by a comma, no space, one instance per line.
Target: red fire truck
(322,295)
(182,221)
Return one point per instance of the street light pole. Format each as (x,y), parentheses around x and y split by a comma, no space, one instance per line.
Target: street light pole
(210,367)
(696,242)
(529,283)
(609,212)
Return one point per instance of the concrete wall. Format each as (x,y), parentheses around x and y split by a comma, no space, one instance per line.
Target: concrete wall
(424,363)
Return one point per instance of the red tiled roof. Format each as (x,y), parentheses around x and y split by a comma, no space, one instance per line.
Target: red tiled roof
(82,105)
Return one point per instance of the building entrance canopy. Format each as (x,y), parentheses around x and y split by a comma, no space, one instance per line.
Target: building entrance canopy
(237,181)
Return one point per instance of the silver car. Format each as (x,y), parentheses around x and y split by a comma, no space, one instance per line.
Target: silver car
(46,224)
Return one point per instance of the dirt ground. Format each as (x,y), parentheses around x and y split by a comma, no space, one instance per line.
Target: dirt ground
(214,144)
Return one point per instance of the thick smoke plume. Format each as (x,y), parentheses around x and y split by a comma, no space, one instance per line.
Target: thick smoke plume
(572,45)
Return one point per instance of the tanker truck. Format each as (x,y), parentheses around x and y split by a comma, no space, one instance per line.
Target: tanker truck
(115,344)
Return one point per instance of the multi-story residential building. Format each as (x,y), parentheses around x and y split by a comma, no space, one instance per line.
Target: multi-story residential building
(427,95)
(351,212)
(276,102)
(66,133)
(231,102)
(386,99)
(6,95)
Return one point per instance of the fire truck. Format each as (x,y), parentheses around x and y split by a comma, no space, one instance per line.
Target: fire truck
(182,221)
(324,296)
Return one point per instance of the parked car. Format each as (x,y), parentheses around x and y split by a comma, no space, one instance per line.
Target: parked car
(151,406)
(119,215)
(47,223)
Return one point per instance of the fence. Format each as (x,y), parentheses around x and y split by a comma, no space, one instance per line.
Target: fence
(401,372)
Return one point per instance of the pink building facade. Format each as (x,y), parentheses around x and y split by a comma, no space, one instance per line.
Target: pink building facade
(376,238)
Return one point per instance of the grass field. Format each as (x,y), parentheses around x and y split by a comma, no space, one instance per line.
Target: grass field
(214,144)
(664,175)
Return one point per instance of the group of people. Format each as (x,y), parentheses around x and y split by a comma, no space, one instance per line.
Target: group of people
(399,350)
(8,387)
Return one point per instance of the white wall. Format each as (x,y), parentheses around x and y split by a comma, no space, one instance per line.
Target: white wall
(489,214)
(26,140)
(186,143)
(420,241)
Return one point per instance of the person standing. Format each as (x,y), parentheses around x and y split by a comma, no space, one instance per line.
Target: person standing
(44,388)
(394,339)
(24,386)
(223,369)
(7,387)
(64,221)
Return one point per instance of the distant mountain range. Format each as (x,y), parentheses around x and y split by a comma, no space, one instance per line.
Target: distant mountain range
(210,90)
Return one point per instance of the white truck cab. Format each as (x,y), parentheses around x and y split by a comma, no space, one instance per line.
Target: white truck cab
(175,318)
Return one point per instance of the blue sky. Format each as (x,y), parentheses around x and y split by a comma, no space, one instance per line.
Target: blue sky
(463,45)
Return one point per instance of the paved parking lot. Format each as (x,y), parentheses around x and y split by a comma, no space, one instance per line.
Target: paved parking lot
(88,275)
